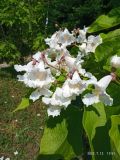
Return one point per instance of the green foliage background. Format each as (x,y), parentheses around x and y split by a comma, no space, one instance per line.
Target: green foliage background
(23,23)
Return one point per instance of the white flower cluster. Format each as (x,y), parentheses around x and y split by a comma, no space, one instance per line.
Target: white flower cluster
(46,67)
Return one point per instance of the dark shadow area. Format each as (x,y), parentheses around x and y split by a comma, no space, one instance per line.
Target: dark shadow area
(50,157)
(113,91)
(53,121)
(119,128)
(75,129)
(77,102)
(86,147)
(8,72)
(73,116)
(91,108)
(112,110)
(54,157)
(101,142)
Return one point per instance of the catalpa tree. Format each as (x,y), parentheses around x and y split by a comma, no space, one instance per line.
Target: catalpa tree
(77,78)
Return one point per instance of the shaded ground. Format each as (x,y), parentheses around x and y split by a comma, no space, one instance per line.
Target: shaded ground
(22,130)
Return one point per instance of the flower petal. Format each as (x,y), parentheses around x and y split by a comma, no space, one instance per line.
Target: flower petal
(35,95)
(115,61)
(27,68)
(106,99)
(104,82)
(39,92)
(90,99)
(46,100)
(53,111)
(37,56)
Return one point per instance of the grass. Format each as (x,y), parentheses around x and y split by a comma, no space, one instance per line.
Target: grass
(22,130)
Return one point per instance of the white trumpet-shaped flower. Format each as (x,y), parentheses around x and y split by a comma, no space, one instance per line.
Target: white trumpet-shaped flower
(53,41)
(91,44)
(62,97)
(82,35)
(57,99)
(56,102)
(40,80)
(115,61)
(73,87)
(59,40)
(37,56)
(99,93)
(40,92)
(66,38)
(36,76)
(70,61)
(75,63)
(91,78)
(36,63)
(27,68)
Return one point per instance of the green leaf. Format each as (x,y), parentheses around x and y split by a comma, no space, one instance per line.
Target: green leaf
(109,46)
(101,143)
(57,139)
(114,133)
(24,104)
(2,45)
(62,136)
(61,78)
(74,51)
(111,36)
(106,21)
(113,90)
(93,118)
(101,23)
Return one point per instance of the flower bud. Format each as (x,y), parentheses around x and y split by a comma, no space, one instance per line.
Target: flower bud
(115,61)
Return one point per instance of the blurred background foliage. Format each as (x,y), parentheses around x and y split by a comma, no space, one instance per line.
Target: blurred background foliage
(25,23)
